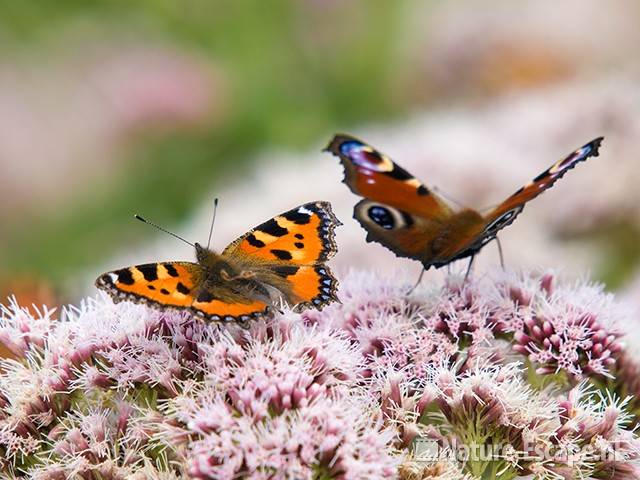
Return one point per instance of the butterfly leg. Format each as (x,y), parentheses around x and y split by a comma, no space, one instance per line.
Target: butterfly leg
(500,252)
(418,282)
(273,307)
(466,275)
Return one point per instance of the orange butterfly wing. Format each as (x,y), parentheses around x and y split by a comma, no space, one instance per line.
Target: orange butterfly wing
(178,286)
(398,211)
(403,215)
(289,252)
(371,174)
(506,212)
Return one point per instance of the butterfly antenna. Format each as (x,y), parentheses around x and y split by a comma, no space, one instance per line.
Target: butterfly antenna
(138,217)
(213,220)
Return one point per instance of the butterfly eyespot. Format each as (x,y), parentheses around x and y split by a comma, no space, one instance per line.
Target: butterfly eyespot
(365,156)
(382,217)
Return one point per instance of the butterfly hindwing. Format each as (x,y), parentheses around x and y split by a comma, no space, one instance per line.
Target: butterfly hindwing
(372,175)
(307,286)
(179,286)
(289,253)
(404,234)
(230,311)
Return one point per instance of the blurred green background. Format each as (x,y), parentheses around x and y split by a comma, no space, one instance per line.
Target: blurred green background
(283,78)
(112,107)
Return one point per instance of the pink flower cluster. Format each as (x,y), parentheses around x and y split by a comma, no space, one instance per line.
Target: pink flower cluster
(571,329)
(124,391)
(273,402)
(492,420)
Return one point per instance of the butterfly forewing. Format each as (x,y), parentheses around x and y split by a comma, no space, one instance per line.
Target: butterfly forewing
(506,212)
(289,253)
(302,236)
(371,174)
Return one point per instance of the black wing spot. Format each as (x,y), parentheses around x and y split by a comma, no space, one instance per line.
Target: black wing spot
(254,242)
(164,291)
(541,176)
(382,217)
(399,173)
(149,271)
(272,228)
(297,217)
(182,289)
(151,287)
(205,297)
(299,245)
(299,236)
(171,270)
(286,270)
(422,190)
(125,277)
(282,254)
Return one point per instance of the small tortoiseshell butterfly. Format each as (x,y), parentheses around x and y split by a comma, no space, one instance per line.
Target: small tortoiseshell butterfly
(284,257)
(402,214)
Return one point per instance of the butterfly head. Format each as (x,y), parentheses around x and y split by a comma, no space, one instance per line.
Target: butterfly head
(204,255)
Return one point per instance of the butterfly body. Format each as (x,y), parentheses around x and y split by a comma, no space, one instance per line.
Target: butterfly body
(404,215)
(282,258)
